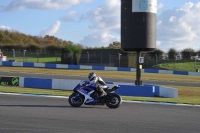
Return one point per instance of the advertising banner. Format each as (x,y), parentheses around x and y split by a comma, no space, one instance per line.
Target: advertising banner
(11,81)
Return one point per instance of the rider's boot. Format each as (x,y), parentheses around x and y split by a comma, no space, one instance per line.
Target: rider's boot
(103,93)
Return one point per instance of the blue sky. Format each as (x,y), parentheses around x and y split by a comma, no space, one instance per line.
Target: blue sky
(97,22)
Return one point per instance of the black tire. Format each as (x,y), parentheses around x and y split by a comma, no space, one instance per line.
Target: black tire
(75,101)
(113,100)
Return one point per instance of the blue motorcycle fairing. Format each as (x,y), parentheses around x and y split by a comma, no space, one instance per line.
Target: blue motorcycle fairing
(86,91)
(87,88)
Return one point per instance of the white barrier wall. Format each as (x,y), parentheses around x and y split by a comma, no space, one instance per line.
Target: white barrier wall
(4,58)
(168,92)
(21,81)
(18,64)
(64,84)
(85,67)
(165,72)
(61,66)
(39,65)
(111,68)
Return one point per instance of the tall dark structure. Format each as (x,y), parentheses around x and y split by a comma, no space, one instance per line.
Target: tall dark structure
(138,28)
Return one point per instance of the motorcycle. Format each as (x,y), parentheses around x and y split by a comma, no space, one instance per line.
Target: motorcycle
(86,94)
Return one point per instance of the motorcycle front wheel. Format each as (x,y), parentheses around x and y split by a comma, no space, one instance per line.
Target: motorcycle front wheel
(76,100)
(113,100)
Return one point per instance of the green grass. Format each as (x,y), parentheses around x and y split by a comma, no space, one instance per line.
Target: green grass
(181,66)
(103,74)
(187,95)
(37,60)
(11,89)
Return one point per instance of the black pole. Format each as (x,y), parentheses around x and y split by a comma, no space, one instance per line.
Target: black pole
(138,69)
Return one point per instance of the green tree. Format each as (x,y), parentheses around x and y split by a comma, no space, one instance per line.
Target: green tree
(115,45)
(70,50)
(172,54)
(1,37)
(187,53)
(155,54)
(198,53)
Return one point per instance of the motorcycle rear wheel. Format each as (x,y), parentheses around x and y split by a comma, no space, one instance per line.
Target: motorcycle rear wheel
(75,101)
(113,100)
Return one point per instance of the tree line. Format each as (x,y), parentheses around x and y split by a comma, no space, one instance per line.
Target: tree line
(173,54)
(14,40)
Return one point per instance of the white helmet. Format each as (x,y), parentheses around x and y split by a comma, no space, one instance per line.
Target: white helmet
(91,76)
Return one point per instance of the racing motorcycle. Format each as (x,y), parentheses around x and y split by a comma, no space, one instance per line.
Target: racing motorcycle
(86,94)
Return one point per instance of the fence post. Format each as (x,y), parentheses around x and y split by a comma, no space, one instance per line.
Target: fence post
(101,58)
(119,58)
(24,55)
(156,61)
(38,54)
(88,58)
(13,54)
(110,59)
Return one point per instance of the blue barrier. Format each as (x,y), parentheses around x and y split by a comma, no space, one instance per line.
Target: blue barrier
(38,83)
(124,90)
(156,89)
(46,65)
(7,63)
(151,71)
(28,64)
(180,72)
(98,68)
(140,91)
(123,69)
(74,66)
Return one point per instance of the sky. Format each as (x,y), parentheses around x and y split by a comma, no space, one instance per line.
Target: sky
(96,23)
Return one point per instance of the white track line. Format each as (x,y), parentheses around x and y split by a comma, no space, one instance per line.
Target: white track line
(126,101)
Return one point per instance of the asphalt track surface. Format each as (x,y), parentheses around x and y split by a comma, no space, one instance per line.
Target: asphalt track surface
(160,82)
(28,114)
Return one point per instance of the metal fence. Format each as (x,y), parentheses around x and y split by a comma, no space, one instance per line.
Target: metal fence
(192,65)
(104,59)
(28,56)
(101,59)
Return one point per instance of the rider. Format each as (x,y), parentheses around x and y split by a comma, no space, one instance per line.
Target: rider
(99,83)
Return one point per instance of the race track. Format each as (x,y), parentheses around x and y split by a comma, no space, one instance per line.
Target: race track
(160,82)
(28,114)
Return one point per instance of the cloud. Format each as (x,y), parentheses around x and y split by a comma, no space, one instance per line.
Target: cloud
(99,38)
(70,16)
(43,4)
(179,27)
(160,6)
(105,24)
(3,27)
(52,29)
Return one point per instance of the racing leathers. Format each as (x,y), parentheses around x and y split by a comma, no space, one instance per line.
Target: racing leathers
(99,85)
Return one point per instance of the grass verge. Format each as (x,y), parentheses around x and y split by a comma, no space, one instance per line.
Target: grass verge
(103,74)
(187,95)
(181,66)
